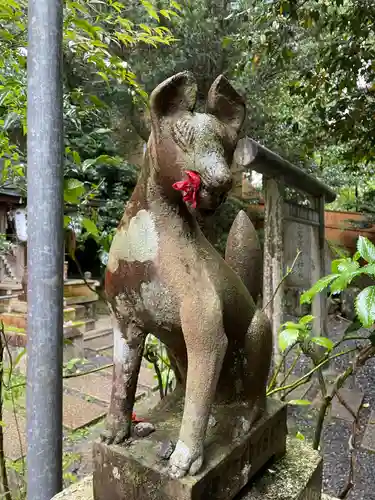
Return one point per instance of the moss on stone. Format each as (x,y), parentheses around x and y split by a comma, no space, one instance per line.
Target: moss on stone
(78,491)
(287,478)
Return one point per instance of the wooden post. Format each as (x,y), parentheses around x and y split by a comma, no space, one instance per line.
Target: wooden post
(318,269)
(273,259)
(3,228)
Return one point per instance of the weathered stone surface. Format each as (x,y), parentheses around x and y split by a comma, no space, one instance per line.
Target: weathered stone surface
(78,491)
(94,385)
(136,472)
(99,339)
(368,441)
(14,435)
(300,391)
(144,429)
(296,476)
(78,413)
(84,491)
(353,398)
(166,449)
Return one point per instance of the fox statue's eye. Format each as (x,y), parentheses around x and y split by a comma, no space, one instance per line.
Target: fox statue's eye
(183,134)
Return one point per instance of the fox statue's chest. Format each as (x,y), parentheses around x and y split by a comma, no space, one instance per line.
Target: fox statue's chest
(138,241)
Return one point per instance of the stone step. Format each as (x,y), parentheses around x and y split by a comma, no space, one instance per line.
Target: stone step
(77,413)
(353,399)
(17,307)
(99,340)
(75,313)
(107,352)
(80,299)
(96,386)
(98,333)
(17,323)
(80,327)
(146,378)
(16,320)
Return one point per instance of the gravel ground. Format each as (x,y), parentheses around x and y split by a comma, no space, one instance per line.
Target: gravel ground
(337,432)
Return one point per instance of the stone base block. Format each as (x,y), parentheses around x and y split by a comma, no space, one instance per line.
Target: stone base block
(233,455)
(296,476)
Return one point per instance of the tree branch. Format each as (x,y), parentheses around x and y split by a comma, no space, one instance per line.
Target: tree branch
(289,271)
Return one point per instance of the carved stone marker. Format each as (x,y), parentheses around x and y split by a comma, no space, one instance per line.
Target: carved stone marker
(164,277)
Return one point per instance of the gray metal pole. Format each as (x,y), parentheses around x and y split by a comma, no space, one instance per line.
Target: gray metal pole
(45,249)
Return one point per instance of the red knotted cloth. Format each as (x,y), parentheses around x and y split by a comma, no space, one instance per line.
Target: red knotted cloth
(189,187)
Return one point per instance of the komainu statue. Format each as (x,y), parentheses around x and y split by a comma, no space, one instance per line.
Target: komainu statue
(165,278)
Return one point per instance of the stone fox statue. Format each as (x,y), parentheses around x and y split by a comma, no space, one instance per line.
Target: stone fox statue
(165,278)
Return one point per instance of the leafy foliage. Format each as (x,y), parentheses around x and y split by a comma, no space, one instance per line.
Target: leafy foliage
(98,36)
(292,334)
(344,271)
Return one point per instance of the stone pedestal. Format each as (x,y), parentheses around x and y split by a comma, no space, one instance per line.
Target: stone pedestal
(296,476)
(233,455)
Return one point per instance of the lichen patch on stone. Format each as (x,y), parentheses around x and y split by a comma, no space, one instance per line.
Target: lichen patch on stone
(138,242)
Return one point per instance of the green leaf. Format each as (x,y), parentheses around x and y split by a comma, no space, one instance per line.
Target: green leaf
(306,319)
(90,227)
(150,9)
(288,337)
(67,221)
(86,27)
(176,5)
(369,269)
(10,120)
(291,324)
(88,163)
(3,95)
(104,76)
(102,131)
(299,402)
(73,190)
(76,157)
(78,6)
(340,283)
(366,249)
(324,342)
(74,184)
(365,306)
(19,357)
(356,256)
(300,436)
(165,13)
(347,266)
(318,287)
(227,40)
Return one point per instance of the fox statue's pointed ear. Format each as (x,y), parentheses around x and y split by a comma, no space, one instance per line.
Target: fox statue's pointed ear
(226,103)
(177,93)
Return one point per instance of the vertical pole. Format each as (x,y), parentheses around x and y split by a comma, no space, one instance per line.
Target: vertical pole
(45,249)
(319,306)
